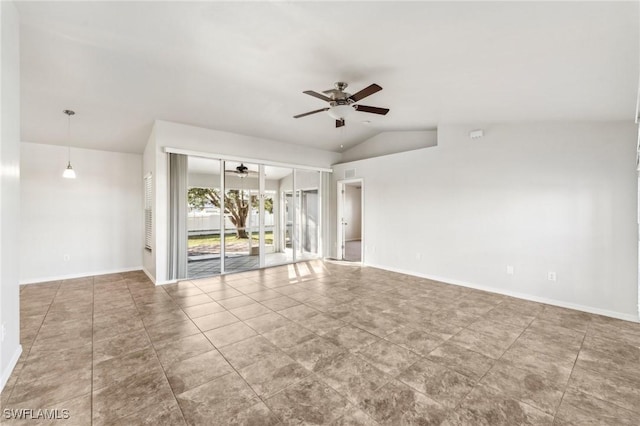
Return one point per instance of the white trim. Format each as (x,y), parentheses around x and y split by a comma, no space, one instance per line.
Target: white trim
(222,230)
(261,227)
(153,280)
(589,309)
(169,282)
(148,274)
(82,275)
(339,218)
(170,150)
(12,364)
(295,200)
(637,117)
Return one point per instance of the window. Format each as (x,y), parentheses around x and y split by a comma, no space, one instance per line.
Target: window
(148,211)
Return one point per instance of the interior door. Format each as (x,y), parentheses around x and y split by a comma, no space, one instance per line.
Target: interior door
(343,222)
(350,215)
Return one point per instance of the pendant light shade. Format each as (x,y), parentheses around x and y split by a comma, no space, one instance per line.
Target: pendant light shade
(69,173)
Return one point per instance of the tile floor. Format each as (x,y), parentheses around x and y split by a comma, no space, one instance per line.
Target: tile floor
(316,343)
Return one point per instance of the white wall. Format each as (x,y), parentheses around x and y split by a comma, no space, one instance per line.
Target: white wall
(390,143)
(10,348)
(540,197)
(177,135)
(174,135)
(352,211)
(95,219)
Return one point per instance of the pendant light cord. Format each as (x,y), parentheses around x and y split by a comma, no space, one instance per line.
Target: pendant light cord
(69,138)
(69,173)
(69,113)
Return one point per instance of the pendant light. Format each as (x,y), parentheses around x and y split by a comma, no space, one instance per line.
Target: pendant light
(69,173)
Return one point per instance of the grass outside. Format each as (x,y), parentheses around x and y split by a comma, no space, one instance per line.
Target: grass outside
(212,240)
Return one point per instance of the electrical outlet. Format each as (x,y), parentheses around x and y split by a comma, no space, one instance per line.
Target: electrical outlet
(551,276)
(418,256)
(510,270)
(66,257)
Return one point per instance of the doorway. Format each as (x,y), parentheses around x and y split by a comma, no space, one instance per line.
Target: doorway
(350,220)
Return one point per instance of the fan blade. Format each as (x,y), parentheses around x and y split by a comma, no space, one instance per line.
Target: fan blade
(310,112)
(374,110)
(367,91)
(340,123)
(317,95)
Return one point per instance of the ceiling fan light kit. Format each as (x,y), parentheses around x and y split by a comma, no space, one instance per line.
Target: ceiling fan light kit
(342,104)
(340,112)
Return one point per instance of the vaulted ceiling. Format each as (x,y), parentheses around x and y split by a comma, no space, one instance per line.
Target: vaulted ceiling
(242,66)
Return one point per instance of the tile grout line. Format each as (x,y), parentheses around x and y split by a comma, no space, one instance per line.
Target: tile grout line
(487,372)
(219,352)
(311,373)
(612,402)
(594,371)
(155,352)
(476,382)
(566,386)
(264,400)
(34,340)
(315,376)
(93,314)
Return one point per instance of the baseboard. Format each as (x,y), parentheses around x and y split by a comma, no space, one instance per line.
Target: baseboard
(153,279)
(12,364)
(559,303)
(166,282)
(80,275)
(148,274)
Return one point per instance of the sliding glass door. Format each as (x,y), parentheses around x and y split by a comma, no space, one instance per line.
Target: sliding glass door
(244,216)
(242,224)
(307,214)
(204,245)
(278,215)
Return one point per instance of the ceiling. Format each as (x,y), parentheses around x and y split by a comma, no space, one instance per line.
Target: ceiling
(242,66)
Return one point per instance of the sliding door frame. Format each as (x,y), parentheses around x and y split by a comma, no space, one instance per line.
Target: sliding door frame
(262,193)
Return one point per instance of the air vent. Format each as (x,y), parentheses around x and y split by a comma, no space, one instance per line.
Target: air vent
(476,134)
(148,211)
(349,173)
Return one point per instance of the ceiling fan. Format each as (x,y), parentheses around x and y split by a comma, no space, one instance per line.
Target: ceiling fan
(341,103)
(241,171)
